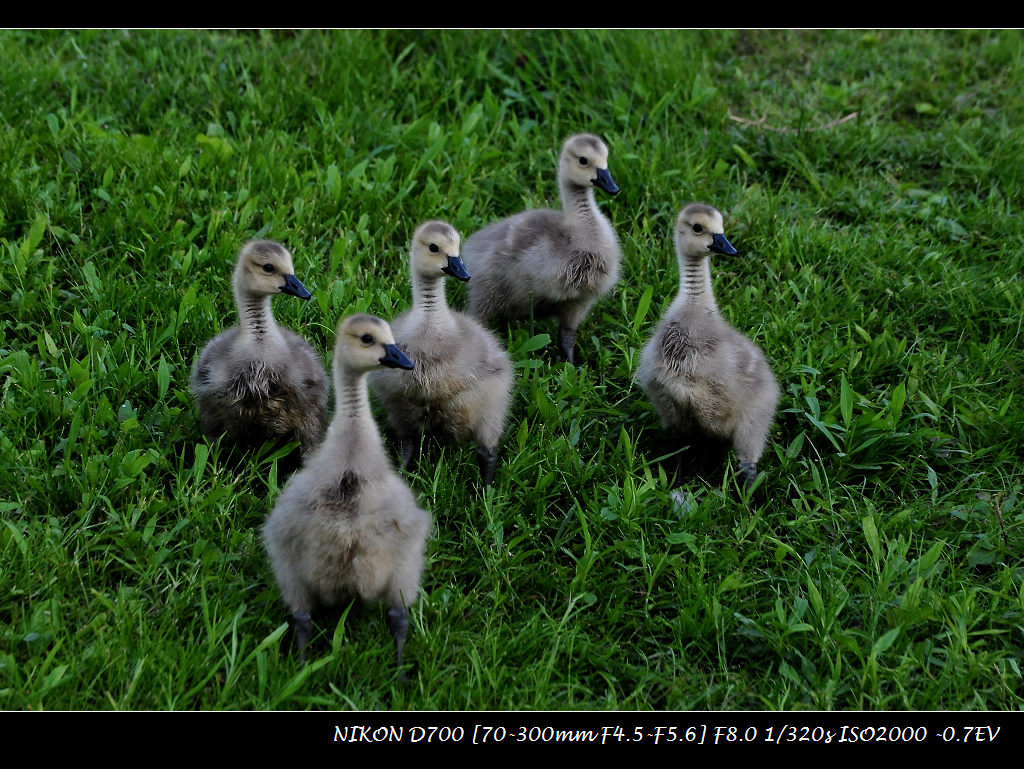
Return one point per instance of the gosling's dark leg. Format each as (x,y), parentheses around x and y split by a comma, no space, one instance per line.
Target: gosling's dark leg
(488,459)
(406,448)
(398,623)
(302,626)
(679,441)
(566,342)
(748,471)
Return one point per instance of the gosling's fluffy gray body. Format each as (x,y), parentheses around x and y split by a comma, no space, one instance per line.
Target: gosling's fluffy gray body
(558,262)
(699,372)
(462,382)
(258,381)
(346,525)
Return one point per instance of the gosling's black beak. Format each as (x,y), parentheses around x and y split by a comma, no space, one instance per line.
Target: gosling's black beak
(295,288)
(720,245)
(605,182)
(456,268)
(395,358)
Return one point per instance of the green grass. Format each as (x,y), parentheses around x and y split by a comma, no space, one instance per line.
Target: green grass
(880,268)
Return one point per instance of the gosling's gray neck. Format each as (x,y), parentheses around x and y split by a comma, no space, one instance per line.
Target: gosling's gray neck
(695,291)
(257,321)
(353,433)
(429,302)
(579,205)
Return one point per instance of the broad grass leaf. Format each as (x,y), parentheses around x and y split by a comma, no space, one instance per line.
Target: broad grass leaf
(163,377)
(899,397)
(884,642)
(845,400)
(535,342)
(872,537)
(642,308)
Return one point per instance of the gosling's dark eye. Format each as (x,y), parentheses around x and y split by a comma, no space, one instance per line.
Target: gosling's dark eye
(583,161)
(268,267)
(698,229)
(366,339)
(433,248)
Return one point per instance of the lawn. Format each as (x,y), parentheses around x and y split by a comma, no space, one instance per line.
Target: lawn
(872,182)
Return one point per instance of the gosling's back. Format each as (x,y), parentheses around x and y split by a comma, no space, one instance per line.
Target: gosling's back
(549,262)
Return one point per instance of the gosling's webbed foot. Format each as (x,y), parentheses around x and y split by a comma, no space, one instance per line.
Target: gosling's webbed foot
(488,460)
(398,624)
(302,627)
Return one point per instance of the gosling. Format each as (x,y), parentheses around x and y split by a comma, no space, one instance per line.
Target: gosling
(546,261)
(346,525)
(462,382)
(258,381)
(701,374)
